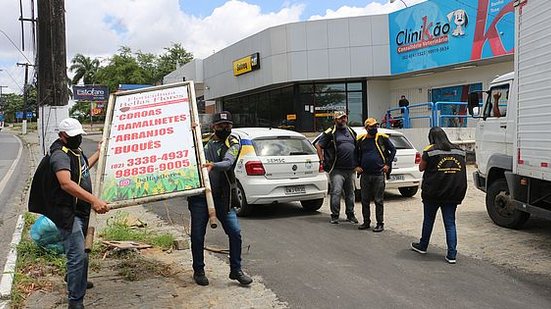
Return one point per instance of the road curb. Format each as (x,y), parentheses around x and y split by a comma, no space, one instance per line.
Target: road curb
(9,268)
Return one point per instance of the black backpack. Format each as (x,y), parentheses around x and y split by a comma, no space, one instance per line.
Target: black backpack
(43,187)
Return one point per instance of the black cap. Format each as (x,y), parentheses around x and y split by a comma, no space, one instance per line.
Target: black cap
(222,117)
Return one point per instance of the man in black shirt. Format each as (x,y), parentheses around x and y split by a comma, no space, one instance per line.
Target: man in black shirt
(375,156)
(72,203)
(336,149)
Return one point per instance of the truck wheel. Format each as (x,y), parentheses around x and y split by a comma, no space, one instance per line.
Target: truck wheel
(501,208)
(242,208)
(312,205)
(408,191)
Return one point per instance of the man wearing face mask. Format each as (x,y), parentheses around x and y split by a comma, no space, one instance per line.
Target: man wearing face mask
(375,156)
(337,150)
(72,202)
(221,152)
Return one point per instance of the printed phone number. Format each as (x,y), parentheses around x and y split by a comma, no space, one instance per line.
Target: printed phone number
(180,154)
(142,170)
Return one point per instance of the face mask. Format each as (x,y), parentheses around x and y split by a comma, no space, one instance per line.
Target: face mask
(222,133)
(372,132)
(74,142)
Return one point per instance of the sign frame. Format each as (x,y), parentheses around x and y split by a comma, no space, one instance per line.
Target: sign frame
(204,182)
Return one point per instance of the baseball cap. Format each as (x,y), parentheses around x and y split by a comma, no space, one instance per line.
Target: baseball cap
(222,117)
(339,114)
(370,122)
(71,126)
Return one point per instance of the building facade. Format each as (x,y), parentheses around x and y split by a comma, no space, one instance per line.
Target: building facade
(296,75)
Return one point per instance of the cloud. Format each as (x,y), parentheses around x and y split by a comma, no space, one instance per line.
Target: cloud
(97,28)
(372,8)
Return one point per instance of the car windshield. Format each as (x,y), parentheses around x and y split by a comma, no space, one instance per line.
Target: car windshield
(400,142)
(283,146)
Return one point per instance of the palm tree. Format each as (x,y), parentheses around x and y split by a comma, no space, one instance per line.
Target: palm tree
(85,68)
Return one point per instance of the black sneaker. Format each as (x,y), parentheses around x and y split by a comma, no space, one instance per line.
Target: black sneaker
(200,278)
(364,226)
(415,246)
(241,277)
(378,228)
(352,219)
(451,260)
(334,220)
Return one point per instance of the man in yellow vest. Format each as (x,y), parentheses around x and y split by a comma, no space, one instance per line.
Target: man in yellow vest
(375,156)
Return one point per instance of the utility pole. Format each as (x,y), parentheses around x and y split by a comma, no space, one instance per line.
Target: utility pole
(25,96)
(2,96)
(52,70)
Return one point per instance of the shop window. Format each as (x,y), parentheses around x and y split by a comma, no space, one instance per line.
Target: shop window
(355,109)
(330,87)
(354,87)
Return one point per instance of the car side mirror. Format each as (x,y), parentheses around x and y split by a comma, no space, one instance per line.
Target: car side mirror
(473,102)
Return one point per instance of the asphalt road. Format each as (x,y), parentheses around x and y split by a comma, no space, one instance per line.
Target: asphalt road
(12,183)
(309,263)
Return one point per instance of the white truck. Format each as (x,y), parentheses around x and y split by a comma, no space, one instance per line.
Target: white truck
(513,138)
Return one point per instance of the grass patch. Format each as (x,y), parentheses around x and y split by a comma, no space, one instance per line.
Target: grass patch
(34,266)
(117,229)
(133,267)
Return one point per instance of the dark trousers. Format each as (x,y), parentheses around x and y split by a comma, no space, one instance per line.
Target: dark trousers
(372,188)
(448,216)
(199,219)
(77,260)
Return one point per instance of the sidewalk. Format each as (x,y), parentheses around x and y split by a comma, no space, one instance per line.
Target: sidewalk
(177,290)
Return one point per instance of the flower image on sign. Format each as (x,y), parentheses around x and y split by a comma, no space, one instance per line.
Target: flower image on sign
(150,149)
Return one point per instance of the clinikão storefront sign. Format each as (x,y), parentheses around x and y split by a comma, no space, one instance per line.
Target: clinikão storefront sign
(446,32)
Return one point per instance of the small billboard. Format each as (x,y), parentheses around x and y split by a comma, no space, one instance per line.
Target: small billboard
(90,93)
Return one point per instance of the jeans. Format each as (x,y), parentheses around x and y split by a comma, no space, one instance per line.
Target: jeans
(199,219)
(448,216)
(77,261)
(342,180)
(372,188)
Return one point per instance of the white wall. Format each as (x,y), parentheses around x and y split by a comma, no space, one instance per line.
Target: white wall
(378,96)
(419,137)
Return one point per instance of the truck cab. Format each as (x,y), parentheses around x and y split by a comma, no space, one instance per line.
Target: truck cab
(494,132)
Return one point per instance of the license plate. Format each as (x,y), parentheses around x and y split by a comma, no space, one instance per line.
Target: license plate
(396,177)
(295,190)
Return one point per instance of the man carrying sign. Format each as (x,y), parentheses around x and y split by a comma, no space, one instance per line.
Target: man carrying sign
(221,153)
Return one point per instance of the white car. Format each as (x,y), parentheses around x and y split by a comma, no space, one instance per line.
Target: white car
(405,175)
(276,165)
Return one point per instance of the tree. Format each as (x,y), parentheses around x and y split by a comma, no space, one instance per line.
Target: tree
(12,103)
(85,68)
(123,68)
(174,55)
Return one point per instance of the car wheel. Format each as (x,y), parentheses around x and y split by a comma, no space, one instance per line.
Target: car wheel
(408,191)
(242,208)
(501,208)
(312,205)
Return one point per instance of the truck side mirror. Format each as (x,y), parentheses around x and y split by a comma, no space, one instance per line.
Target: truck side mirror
(473,102)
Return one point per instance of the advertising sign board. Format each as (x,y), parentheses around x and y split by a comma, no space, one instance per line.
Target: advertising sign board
(246,64)
(90,93)
(149,150)
(446,32)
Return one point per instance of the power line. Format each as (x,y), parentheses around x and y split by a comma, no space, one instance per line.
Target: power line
(12,43)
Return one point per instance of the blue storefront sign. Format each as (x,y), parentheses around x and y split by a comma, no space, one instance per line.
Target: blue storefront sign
(446,32)
(90,93)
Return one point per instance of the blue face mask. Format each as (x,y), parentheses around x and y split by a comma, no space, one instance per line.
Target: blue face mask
(372,132)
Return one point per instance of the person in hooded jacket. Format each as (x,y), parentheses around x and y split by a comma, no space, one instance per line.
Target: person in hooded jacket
(444,187)
(221,152)
(72,202)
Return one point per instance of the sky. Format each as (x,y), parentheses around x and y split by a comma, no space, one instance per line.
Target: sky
(98,28)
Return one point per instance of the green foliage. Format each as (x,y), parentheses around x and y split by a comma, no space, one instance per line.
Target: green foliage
(118,229)
(128,67)
(13,103)
(85,69)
